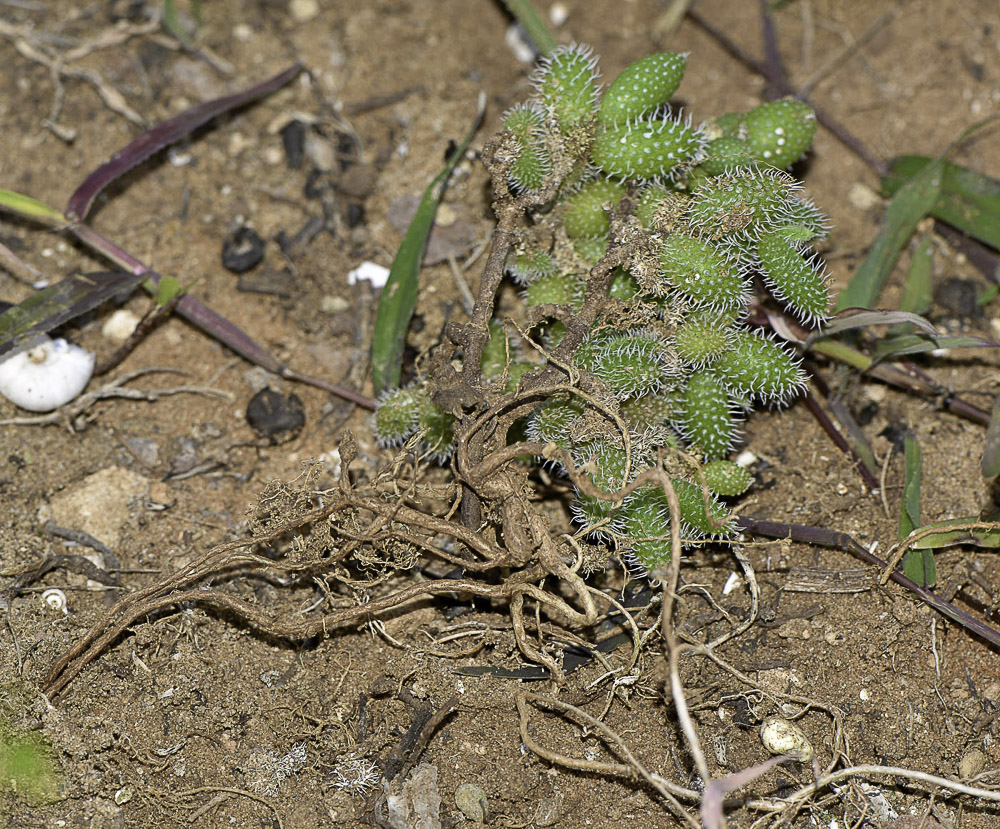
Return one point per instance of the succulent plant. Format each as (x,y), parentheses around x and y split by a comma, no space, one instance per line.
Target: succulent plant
(681,220)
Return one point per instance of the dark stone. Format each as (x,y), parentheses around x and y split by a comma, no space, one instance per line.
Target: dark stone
(276,283)
(242,250)
(293,139)
(355,214)
(276,417)
(959,297)
(317,184)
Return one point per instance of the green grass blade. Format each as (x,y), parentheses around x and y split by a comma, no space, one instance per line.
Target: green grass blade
(909,508)
(912,202)
(991,447)
(31,208)
(907,344)
(968,201)
(918,290)
(918,565)
(59,303)
(956,531)
(852,318)
(399,296)
(525,14)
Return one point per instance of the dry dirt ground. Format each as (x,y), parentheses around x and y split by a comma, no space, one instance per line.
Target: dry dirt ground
(193,718)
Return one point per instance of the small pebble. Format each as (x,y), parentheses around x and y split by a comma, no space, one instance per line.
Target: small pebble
(276,417)
(780,736)
(303,11)
(293,140)
(959,297)
(862,197)
(119,326)
(242,250)
(472,802)
(558,14)
(548,811)
(354,215)
(972,762)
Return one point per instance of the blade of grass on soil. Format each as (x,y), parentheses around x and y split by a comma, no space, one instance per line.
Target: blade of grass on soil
(164,134)
(991,448)
(918,565)
(912,202)
(968,200)
(30,208)
(958,531)
(59,303)
(852,318)
(399,296)
(907,344)
(525,14)
(918,288)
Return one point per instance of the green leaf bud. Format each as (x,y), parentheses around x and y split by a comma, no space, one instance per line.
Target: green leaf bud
(759,366)
(642,87)
(644,521)
(552,421)
(797,282)
(396,415)
(705,416)
(566,82)
(649,411)
(703,272)
(605,465)
(584,214)
(780,132)
(646,150)
(702,336)
(527,266)
(725,154)
(743,203)
(532,165)
(726,478)
(634,364)
(437,427)
(557,289)
(710,518)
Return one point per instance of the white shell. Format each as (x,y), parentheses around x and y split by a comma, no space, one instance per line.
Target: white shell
(44,374)
(56,599)
(780,736)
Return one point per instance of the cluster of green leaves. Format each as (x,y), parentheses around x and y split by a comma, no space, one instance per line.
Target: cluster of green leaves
(671,355)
